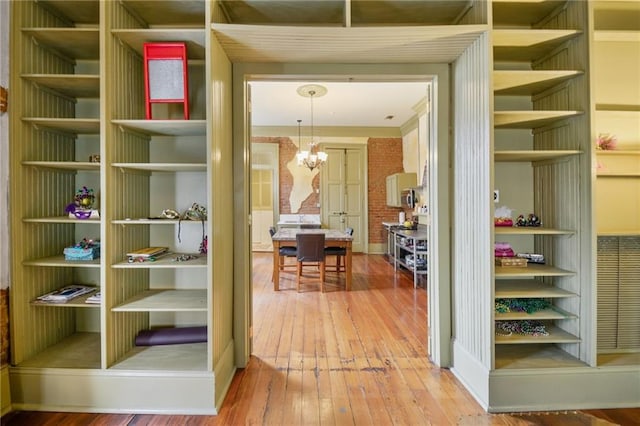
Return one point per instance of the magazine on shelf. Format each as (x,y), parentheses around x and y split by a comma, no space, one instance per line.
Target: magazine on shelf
(147,252)
(94,298)
(66,293)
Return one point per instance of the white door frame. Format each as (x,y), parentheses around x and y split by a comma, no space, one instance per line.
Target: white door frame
(440,346)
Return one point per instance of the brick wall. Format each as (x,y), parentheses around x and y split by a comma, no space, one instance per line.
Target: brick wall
(385,158)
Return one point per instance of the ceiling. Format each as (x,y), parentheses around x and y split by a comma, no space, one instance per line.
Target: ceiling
(350,104)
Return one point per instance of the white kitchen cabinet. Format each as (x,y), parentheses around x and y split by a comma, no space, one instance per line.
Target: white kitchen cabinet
(396,183)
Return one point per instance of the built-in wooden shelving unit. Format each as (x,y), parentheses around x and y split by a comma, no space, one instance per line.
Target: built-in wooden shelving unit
(615,64)
(80,72)
(526,75)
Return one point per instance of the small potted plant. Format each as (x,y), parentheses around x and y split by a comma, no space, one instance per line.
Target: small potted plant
(82,203)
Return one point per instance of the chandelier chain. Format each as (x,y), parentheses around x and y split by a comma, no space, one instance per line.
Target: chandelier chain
(311,158)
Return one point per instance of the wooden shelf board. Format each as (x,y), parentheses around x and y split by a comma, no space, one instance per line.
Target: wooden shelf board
(622,6)
(194,39)
(618,359)
(180,13)
(618,107)
(166,301)
(617,114)
(510,289)
(529,119)
(615,152)
(84,12)
(556,335)
(73,85)
(183,357)
(78,351)
(530,230)
(163,167)
(617,36)
(528,82)
(534,356)
(145,221)
(165,127)
(618,174)
(166,261)
(531,270)
(545,314)
(73,42)
(66,165)
(86,126)
(522,13)
(77,302)
(60,219)
(526,44)
(619,233)
(60,261)
(528,156)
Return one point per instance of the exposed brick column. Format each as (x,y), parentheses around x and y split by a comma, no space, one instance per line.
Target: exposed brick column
(385,158)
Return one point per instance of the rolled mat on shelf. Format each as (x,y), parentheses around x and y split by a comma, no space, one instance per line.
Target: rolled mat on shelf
(171,336)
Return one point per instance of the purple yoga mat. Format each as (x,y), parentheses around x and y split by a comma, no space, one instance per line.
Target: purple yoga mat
(171,336)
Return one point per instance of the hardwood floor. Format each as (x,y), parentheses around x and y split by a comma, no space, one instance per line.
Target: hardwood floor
(356,358)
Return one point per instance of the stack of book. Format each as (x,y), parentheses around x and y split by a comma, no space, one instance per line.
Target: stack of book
(147,254)
(94,298)
(67,293)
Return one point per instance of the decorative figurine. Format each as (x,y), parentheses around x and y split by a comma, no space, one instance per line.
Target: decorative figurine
(531,220)
(82,204)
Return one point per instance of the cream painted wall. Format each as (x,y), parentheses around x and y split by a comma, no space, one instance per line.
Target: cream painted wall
(410,152)
(415,151)
(511,178)
(302,184)
(617,199)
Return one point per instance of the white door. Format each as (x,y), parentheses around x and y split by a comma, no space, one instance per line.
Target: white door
(264,194)
(343,183)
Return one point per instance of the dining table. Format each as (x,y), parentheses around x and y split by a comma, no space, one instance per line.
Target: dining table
(332,238)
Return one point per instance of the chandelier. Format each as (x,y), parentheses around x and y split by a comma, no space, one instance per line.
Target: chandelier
(311,158)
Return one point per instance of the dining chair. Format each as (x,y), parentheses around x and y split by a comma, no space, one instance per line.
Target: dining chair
(339,252)
(284,251)
(311,253)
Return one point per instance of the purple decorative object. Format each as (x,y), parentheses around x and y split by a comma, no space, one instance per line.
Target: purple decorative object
(171,336)
(82,214)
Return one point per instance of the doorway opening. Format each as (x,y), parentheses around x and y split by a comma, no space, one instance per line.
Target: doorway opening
(264,126)
(394,114)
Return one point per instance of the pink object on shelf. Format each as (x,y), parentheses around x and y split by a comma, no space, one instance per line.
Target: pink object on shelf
(503,250)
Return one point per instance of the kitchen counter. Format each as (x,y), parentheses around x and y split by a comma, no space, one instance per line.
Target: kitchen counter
(416,234)
(307,221)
